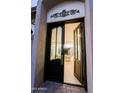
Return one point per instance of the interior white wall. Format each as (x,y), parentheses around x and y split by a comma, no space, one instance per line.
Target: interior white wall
(67,5)
(69,28)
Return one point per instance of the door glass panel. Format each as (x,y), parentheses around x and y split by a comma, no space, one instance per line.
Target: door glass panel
(53,44)
(79,44)
(59,43)
(56,43)
(75,44)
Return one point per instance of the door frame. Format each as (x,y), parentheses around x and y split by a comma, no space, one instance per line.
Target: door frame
(84,42)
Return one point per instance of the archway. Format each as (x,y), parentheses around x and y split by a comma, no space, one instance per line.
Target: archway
(71,72)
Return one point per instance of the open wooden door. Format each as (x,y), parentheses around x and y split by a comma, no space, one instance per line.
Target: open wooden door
(54,65)
(80,55)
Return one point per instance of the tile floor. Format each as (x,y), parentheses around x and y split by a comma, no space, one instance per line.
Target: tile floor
(52,87)
(69,73)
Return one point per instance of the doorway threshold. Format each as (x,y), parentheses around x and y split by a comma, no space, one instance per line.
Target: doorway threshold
(73,84)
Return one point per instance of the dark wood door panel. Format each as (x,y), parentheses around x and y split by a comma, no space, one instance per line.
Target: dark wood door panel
(54,68)
(80,54)
(78,70)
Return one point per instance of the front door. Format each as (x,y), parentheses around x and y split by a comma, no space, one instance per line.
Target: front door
(54,65)
(80,54)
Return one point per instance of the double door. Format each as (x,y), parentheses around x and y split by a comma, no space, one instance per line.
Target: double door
(54,62)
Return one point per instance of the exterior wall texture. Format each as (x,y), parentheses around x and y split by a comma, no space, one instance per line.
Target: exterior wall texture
(41,49)
(35,43)
(89,43)
(38,47)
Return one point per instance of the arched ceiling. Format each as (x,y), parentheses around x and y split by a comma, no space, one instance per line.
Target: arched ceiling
(48,4)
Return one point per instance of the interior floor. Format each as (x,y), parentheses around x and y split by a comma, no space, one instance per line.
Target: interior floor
(69,73)
(52,87)
(69,54)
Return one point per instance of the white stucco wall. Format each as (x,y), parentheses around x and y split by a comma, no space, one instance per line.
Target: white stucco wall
(89,43)
(68,5)
(38,47)
(35,45)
